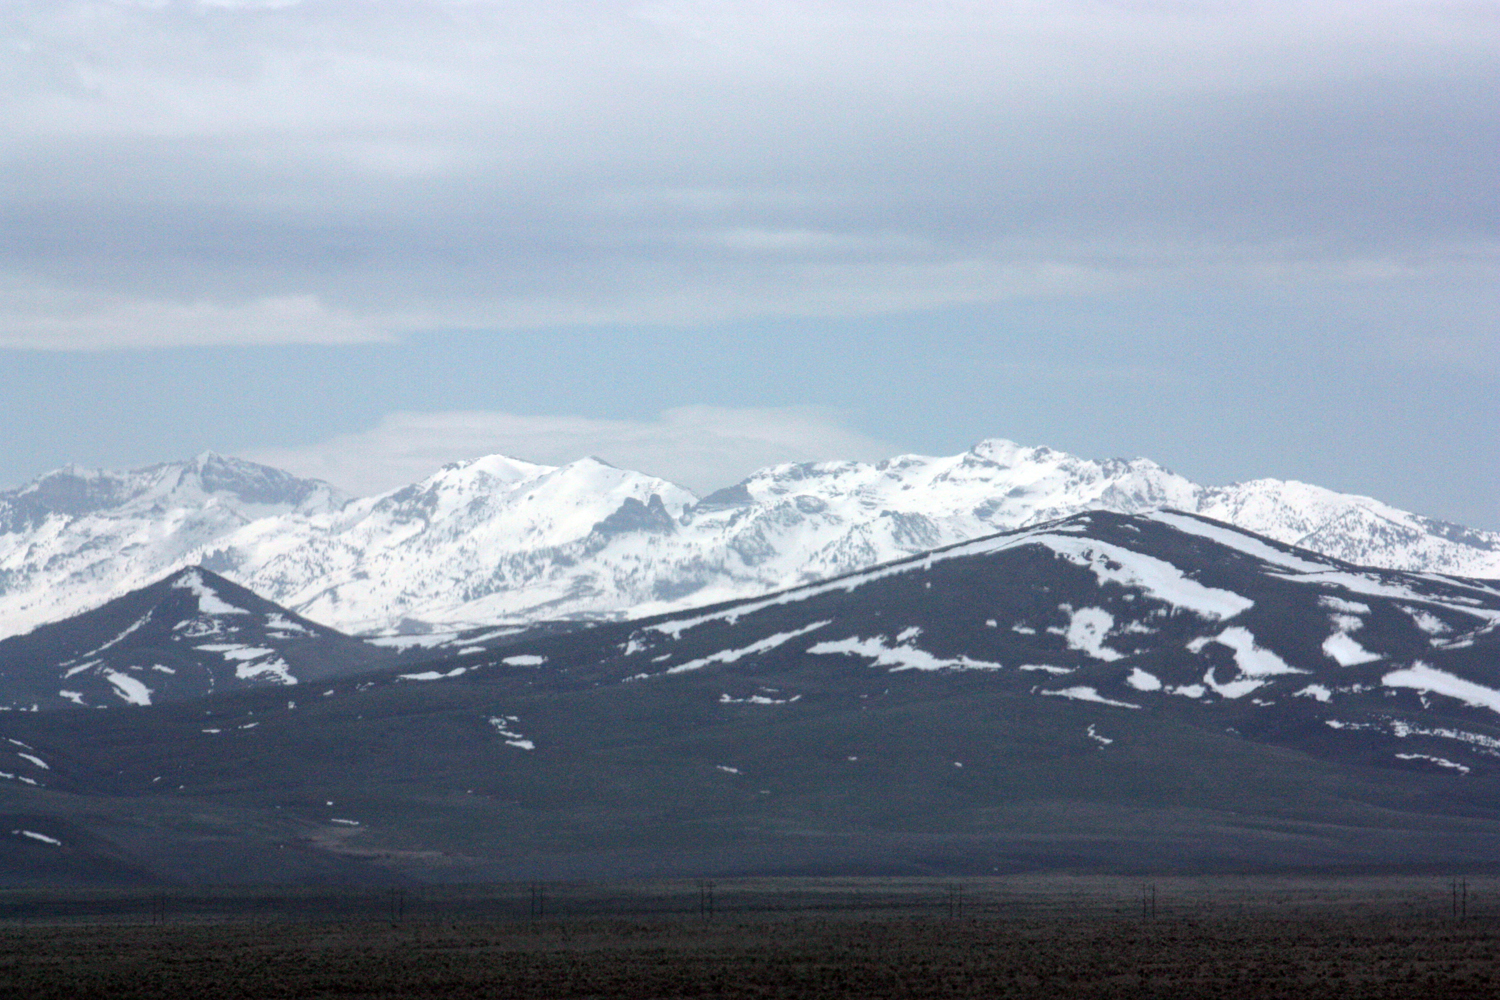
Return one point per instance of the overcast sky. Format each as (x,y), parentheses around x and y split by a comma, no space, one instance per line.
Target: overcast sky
(361,239)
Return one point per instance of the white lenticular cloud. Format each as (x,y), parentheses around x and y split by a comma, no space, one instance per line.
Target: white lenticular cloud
(699,447)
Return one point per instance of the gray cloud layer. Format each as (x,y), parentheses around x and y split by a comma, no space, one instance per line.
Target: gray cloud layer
(183,173)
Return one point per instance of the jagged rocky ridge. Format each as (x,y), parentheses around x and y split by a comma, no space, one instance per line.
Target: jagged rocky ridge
(500,539)
(1106,692)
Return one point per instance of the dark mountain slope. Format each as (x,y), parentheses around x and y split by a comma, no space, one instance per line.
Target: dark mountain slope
(1107,693)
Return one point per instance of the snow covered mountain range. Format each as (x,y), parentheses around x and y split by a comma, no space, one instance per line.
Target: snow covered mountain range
(1104,692)
(501,539)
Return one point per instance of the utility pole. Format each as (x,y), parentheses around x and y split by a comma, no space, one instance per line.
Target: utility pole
(1459,888)
(705,899)
(955,901)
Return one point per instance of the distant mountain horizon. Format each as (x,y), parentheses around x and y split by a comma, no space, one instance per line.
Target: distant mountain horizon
(498,538)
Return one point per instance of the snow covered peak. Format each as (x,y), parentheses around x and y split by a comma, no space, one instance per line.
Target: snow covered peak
(1000,453)
(251,483)
(500,468)
(1005,453)
(73,491)
(471,537)
(496,482)
(595,474)
(997,484)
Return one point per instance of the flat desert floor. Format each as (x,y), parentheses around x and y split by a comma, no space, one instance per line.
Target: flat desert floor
(1413,936)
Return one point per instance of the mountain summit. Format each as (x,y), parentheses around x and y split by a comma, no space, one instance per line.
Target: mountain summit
(499,538)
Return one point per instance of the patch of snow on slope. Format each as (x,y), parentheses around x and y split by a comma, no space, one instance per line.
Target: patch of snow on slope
(1085,693)
(524,660)
(1440,761)
(1422,677)
(209,602)
(1141,680)
(143,620)
(1156,577)
(732,655)
(1086,631)
(897,657)
(1343,606)
(503,723)
(251,662)
(38,836)
(427,640)
(433,675)
(81,668)
(497,633)
(1232,689)
(1091,734)
(35,760)
(276,668)
(130,690)
(276,620)
(1486,744)
(1428,622)
(1346,652)
(1316,691)
(757,699)
(1252,659)
(236,650)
